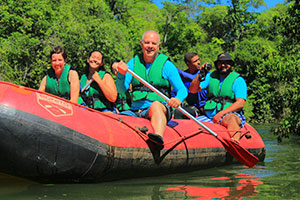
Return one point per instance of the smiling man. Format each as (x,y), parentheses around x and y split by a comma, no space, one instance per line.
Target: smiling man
(227,93)
(158,70)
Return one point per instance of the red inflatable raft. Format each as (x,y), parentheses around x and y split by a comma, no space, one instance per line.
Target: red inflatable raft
(48,139)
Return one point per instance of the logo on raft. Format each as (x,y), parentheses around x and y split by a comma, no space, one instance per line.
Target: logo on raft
(56,107)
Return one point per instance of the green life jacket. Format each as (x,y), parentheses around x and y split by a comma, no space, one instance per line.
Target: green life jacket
(123,101)
(94,98)
(59,88)
(220,98)
(154,77)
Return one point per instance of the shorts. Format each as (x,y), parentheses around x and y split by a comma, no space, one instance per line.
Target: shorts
(106,110)
(239,114)
(144,113)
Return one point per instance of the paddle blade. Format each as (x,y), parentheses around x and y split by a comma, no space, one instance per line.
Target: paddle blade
(240,153)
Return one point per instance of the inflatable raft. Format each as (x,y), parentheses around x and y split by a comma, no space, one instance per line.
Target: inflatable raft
(49,139)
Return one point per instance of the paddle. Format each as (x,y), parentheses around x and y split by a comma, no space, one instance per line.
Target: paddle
(90,81)
(240,153)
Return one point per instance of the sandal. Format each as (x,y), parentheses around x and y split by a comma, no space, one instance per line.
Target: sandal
(158,140)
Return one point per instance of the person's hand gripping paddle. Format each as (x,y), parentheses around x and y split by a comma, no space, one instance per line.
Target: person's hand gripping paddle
(238,152)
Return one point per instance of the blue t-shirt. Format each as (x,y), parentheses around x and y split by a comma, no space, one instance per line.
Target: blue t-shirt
(169,72)
(239,89)
(198,99)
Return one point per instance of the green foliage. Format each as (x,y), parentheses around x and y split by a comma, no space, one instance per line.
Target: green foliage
(17,61)
(289,29)
(291,121)
(267,27)
(212,20)
(265,46)
(79,26)
(290,26)
(240,23)
(259,63)
(140,17)
(186,33)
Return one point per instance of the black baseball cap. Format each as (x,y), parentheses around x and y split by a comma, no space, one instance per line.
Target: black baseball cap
(224,57)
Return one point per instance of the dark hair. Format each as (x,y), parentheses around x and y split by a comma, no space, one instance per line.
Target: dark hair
(112,65)
(188,56)
(59,50)
(90,54)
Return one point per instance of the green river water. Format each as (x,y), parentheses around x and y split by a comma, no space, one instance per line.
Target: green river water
(276,178)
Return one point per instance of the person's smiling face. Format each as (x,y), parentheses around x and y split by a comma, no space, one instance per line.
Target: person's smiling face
(58,63)
(95,60)
(150,46)
(224,67)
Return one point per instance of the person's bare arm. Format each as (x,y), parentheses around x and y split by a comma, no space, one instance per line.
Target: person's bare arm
(43,84)
(74,86)
(237,106)
(107,85)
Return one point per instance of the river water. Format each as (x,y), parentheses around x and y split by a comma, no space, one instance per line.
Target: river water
(276,178)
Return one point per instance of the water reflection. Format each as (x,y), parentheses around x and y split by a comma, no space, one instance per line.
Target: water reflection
(277,178)
(231,182)
(245,187)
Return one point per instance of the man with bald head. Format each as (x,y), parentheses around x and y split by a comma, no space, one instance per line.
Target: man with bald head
(158,70)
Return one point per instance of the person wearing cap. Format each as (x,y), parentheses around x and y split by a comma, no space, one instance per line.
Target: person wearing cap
(195,101)
(159,71)
(227,93)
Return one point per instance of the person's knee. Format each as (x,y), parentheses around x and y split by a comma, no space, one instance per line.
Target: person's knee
(157,107)
(231,120)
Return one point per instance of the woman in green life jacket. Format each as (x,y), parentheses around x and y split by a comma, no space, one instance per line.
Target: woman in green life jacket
(98,89)
(61,79)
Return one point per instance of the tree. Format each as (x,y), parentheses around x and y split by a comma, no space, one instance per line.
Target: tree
(138,18)
(240,22)
(79,26)
(256,59)
(267,27)
(212,20)
(184,34)
(289,25)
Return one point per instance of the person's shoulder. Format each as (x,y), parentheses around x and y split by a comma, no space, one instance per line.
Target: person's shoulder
(131,60)
(130,63)
(73,73)
(169,64)
(240,78)
(107,74)
(240,82)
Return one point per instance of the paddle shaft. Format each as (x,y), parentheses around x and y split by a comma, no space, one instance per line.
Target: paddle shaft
(167,99)
(90,81)
(240,153)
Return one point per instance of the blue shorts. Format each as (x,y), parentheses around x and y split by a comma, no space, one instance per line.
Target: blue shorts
(106,110)
(239,114)
(144,113)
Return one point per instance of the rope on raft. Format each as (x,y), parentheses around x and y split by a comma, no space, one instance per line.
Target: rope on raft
(140,133)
